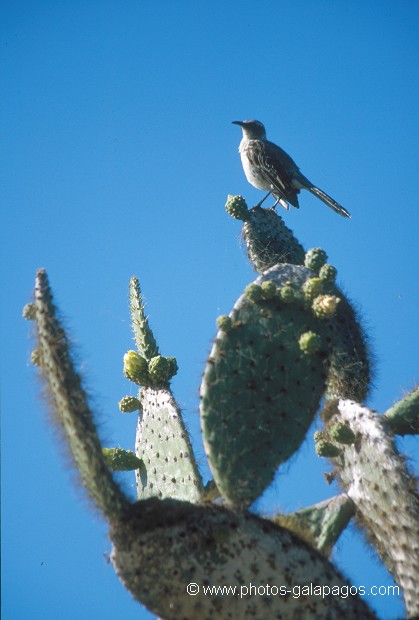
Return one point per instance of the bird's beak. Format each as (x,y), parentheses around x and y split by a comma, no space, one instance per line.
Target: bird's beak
(237,123)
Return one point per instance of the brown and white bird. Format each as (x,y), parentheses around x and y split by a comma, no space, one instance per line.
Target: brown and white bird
(268,167)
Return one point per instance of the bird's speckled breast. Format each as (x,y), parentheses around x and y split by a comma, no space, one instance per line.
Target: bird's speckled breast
(251,171)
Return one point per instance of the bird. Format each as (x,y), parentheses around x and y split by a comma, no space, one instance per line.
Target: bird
(269,167)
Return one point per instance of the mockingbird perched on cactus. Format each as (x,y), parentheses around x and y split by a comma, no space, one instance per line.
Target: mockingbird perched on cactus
(268,167)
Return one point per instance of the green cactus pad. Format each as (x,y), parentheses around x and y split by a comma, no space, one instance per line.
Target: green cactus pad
(163,445)
(144,338)
(260,392)
(160,547)
(376,478)
(322,524)
(351,368)
(69,404)
(269,242)
(403,416)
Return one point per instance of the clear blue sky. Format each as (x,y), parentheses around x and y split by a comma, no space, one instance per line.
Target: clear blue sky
(118,155)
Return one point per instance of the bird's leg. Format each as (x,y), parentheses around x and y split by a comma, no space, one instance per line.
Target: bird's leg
(263,200)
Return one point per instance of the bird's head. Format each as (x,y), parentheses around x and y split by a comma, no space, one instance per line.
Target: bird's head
(252,130)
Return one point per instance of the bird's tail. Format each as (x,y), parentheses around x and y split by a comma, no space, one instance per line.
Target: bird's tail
(328,200)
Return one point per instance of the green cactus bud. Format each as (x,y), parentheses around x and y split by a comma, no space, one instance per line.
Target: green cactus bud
(136,368)
(269,289)
(128,404)
(253,292)
(312,287)
(328,273)
(118,459)
(224,323)
(342,433)
(324,306)
(315,259)
(29,312)
(236,207)
(310,342)
(325,448)
(162,369)
(318,435)
(288,294)
(36,357)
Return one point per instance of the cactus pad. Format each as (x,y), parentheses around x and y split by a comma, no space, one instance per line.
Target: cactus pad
(162,443)
(260,391)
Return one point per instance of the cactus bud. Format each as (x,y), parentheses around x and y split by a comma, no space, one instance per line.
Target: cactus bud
(312,287)
(253,292)
(162,368)
(328,273)
(324,306)
(224,323)
(310,342)
(128,404)
(118,459)
(269,289)
(136,368)
(29,312)
(236,207)
(36,357)
(315,259)
(319,435)
(288,294)
(342,433)
(325,448)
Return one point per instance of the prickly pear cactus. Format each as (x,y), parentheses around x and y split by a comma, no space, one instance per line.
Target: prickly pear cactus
(261,389)
(269,242)
(168,467)
(377,480)
(163,445)
(166,545)
(291,339)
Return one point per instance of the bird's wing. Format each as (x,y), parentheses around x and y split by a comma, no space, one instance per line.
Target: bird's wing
(276,166)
